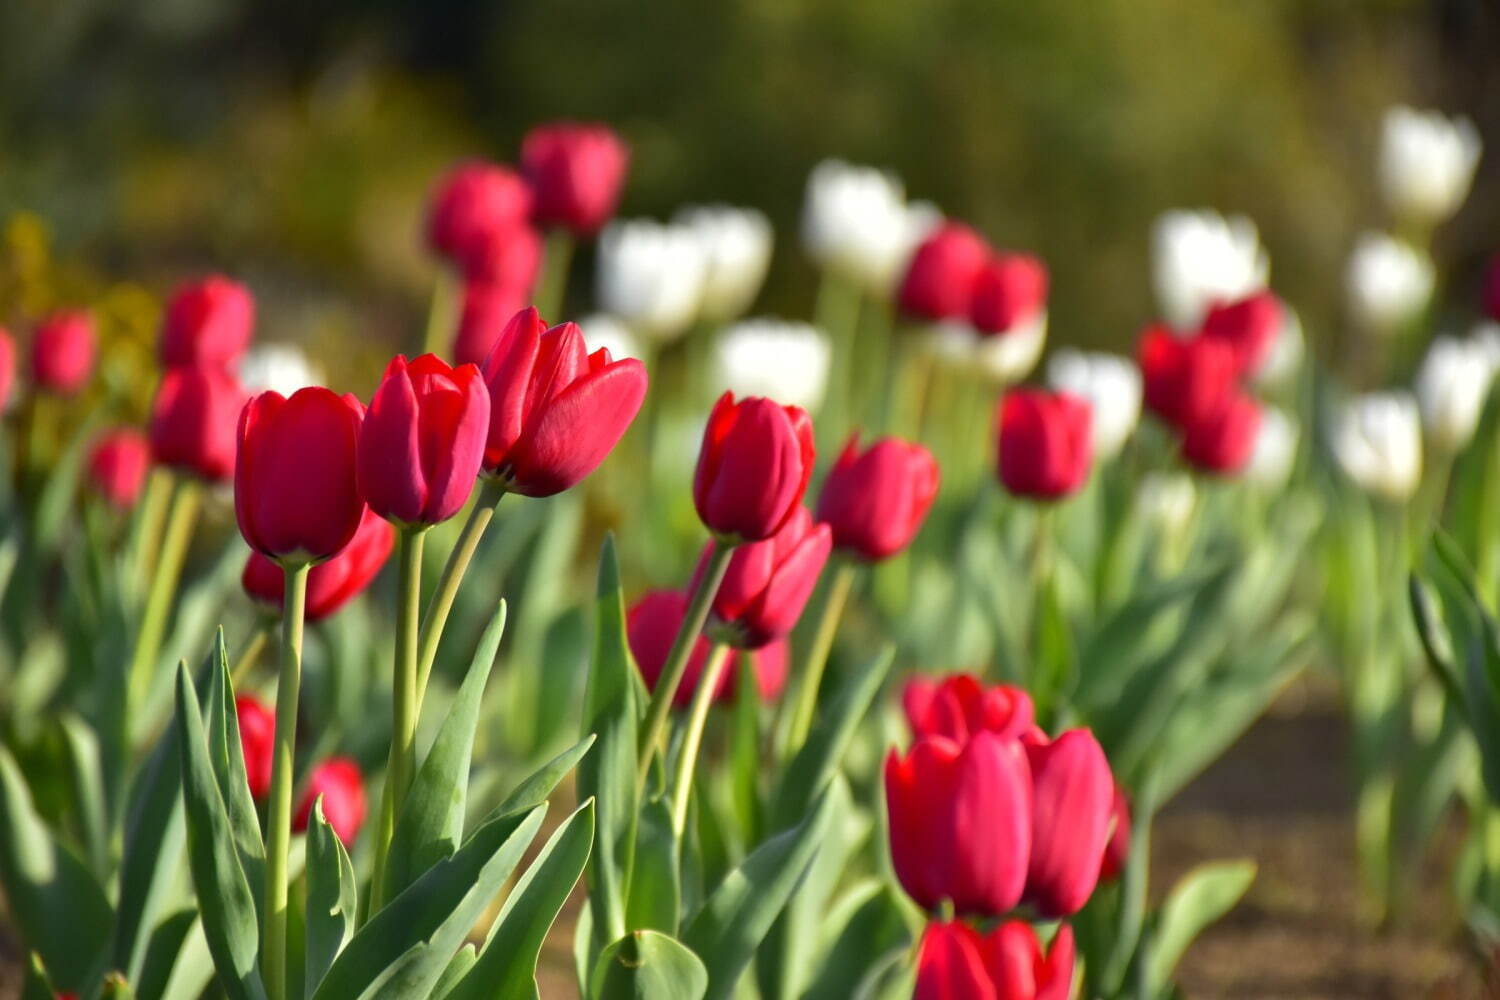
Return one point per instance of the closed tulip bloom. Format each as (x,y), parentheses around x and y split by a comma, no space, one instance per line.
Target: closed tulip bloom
(473,206)
(63,351)
(1072,802)
(1199,258)
(1377,440)
(1110,383)
(194,419)
(422,440)
(1389,282)
(1223,441)
(875,501)
(956,962)
(652,624)
(958,706)
(331,584)
(576,171)
(1426,163)
(768,583)
(257,723)
(511,258)
(1046,443)
(556,411)
(786,361)
(117,466)
(856,223)
(342,788)
(651,275)
(960,822)
(7,367)
(753,467)
(1185,380)
(940,280)
(486,311)
(1249,326)
(296,493)
(1117,851)
(209,322)
(736,246)
(1452,385)
(1009,290)
(1275,450)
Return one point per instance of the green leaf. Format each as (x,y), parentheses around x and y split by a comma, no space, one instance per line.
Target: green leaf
(431,824)
(87,782)
(37,985)
(1053,665)
(655,883)
(332,898)
(163,950)
(404,949)
(1198,899)
(746,765)
(226,754)
(536,789)
(648,965)
(56,903)
(154,834)
(506,969)
(457,968)
(1437,643)
(224,895)
(865,926)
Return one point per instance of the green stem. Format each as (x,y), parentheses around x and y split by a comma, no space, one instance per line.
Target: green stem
(804,704)
(179,533)
(402,766)
(146,530)
(552,282)
(692,738)
(279,808)
(836,313)
(442,315)
(677,658)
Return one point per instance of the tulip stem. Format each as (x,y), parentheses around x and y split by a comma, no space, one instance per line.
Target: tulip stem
(145,537)
(179,532)
(692,737)
(552,283)
(441,314)
(677,658)
(279,808)
(836,313)
(491,492)
(804,702)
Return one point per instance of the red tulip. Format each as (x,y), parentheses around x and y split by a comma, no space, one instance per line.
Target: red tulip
(768,583)
(1185,379)
(1492,289)
(512,258)
(960,822)
(475,205)
(487,309)
(1046,443)
(1117,851)
(62,352)
(956,962)
(1249,326)
(422,440)
(940,280)
(209,322)
(295,481)
(257,741)
(7,366)
(342,787)
(1072,802)
(117,466)
(194,420)
(753,467)
(556,411)
(958,706)
(1222,440)
(576,171)
(1008,291)
(652,624)
(876,501)
(331,584)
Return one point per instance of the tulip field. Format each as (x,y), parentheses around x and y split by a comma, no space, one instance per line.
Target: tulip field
(617,640)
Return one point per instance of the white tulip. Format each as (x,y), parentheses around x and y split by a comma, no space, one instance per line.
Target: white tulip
(1427,163)
(1165,501)
(857,224)
(736,244)
(1110,383)
(1377,440)
(785,361)
(1487,336)
(282,368)
(1007,358)
(1388,282)
(1287,350)
(603,330)
(1199,258)
(1275,449)
(1451,386)
(651,276)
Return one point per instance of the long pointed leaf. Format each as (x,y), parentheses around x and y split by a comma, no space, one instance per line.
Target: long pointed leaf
(332,898)
(647,965)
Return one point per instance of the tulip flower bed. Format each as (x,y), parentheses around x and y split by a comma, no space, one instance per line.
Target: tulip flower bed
(801,661)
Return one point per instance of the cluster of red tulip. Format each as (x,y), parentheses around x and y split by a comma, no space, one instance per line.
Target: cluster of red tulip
(955,275)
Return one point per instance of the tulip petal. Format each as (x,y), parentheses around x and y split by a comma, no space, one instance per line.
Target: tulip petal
(578,430)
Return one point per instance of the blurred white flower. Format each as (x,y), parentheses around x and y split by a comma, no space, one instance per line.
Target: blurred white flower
(1110,383)
(1007,358)
(1451,387)
(1287,350)
(282,368)
(1487,336)
(736,245)
(784,361)
(1165,502)
(856,223)
(1377,440)
(1427,163)
(1275,449)
(1388,282)
(1199,258)
(650,275)
(603,330)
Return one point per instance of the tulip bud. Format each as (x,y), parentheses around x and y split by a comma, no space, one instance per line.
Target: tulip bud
(1072,801)
(296,493)
(257,724)
(956,962)
(512,258)
(7,367)
(959,706)
(194,420)
(1491,293)
(875,502)
(768,583)
(1389,283)
(753,467)
(1199,258)
(1005,358)
(476,205)
(576,171)
(736,247)
(1185,380)
(208,323)
(62,352)
(117,466)
(856,224)
(651,275)
(1377,440)
(331,584)
(960,822)
(782,360)
(1249,326)
(556,411)
(341,786)
(1452,385)
(651,626)
(1112,386)
(1274,452)
(1117,851)
(940,280)
(422,440)
(1223,441)
(1426,163)
(1009,290)
(1045,443)
(487,309)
